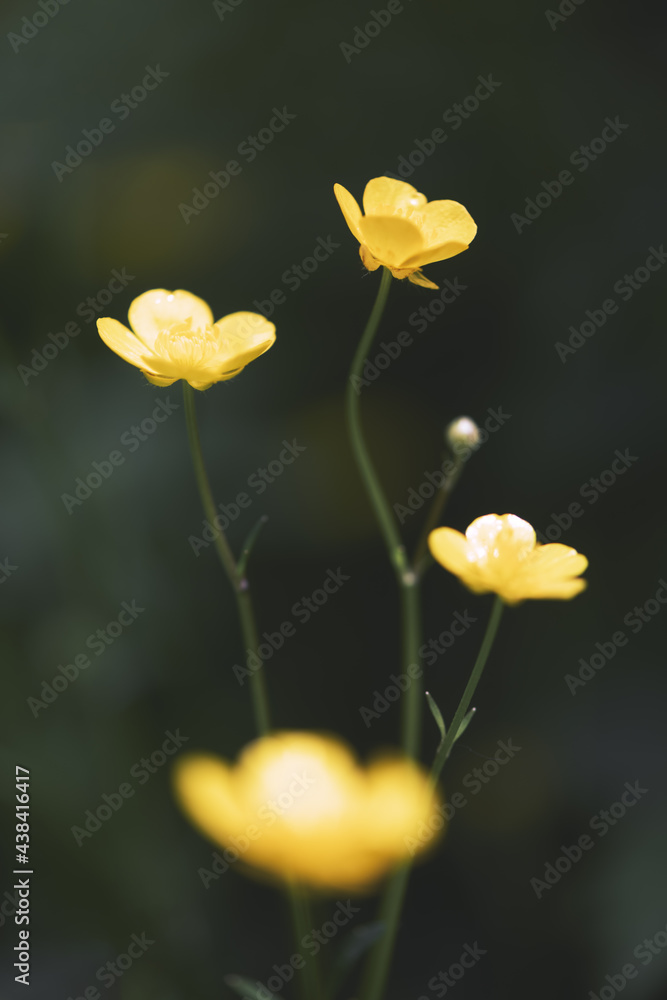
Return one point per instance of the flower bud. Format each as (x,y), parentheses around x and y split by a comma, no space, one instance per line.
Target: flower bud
(462,431)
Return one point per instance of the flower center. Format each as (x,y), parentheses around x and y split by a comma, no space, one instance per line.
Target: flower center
(187,347)
(508,540)
(304,788)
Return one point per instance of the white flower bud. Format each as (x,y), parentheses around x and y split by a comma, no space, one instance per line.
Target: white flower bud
(462,431)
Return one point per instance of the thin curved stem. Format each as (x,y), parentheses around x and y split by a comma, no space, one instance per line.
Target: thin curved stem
(377,969)
(382,509)
(422,558)
(239,581)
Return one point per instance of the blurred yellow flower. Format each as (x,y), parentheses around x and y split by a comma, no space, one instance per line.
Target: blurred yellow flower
(501,554)
(174,337)
(402,230)
(298,806)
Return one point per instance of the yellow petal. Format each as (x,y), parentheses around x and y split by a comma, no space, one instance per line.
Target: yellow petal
(447,229)
(124,343)
(201,385)
(244,336)
(390,238)
(417,278)
(555,560)
(400,799)
(385,196)
(158,310)
(446,222)
(349,208)
(442,252)
(367,259)
(158,379)
(205,788)
(559,590)
(450,549)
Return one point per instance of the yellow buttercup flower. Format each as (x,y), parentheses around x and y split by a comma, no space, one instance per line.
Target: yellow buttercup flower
(501,554)
(402,230)
(174,336)
(298,806)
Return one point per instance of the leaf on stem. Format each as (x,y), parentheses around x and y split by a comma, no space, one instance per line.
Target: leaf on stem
(248,546)
(437,715)
(465,722)
(354,946)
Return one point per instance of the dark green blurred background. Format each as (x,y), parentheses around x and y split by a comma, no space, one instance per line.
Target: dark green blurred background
(493,347)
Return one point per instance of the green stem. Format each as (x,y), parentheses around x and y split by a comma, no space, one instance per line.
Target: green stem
(377,969)
(487,642)
(423,559)
(260,698)
(239,581)
(311,986)
(412,703)
(382,509)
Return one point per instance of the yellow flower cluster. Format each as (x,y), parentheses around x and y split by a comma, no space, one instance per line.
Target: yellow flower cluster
(297,805)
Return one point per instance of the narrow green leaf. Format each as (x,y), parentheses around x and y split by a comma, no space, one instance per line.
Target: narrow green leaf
(436,713)
(353,948)
(465,722)
(249,544)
